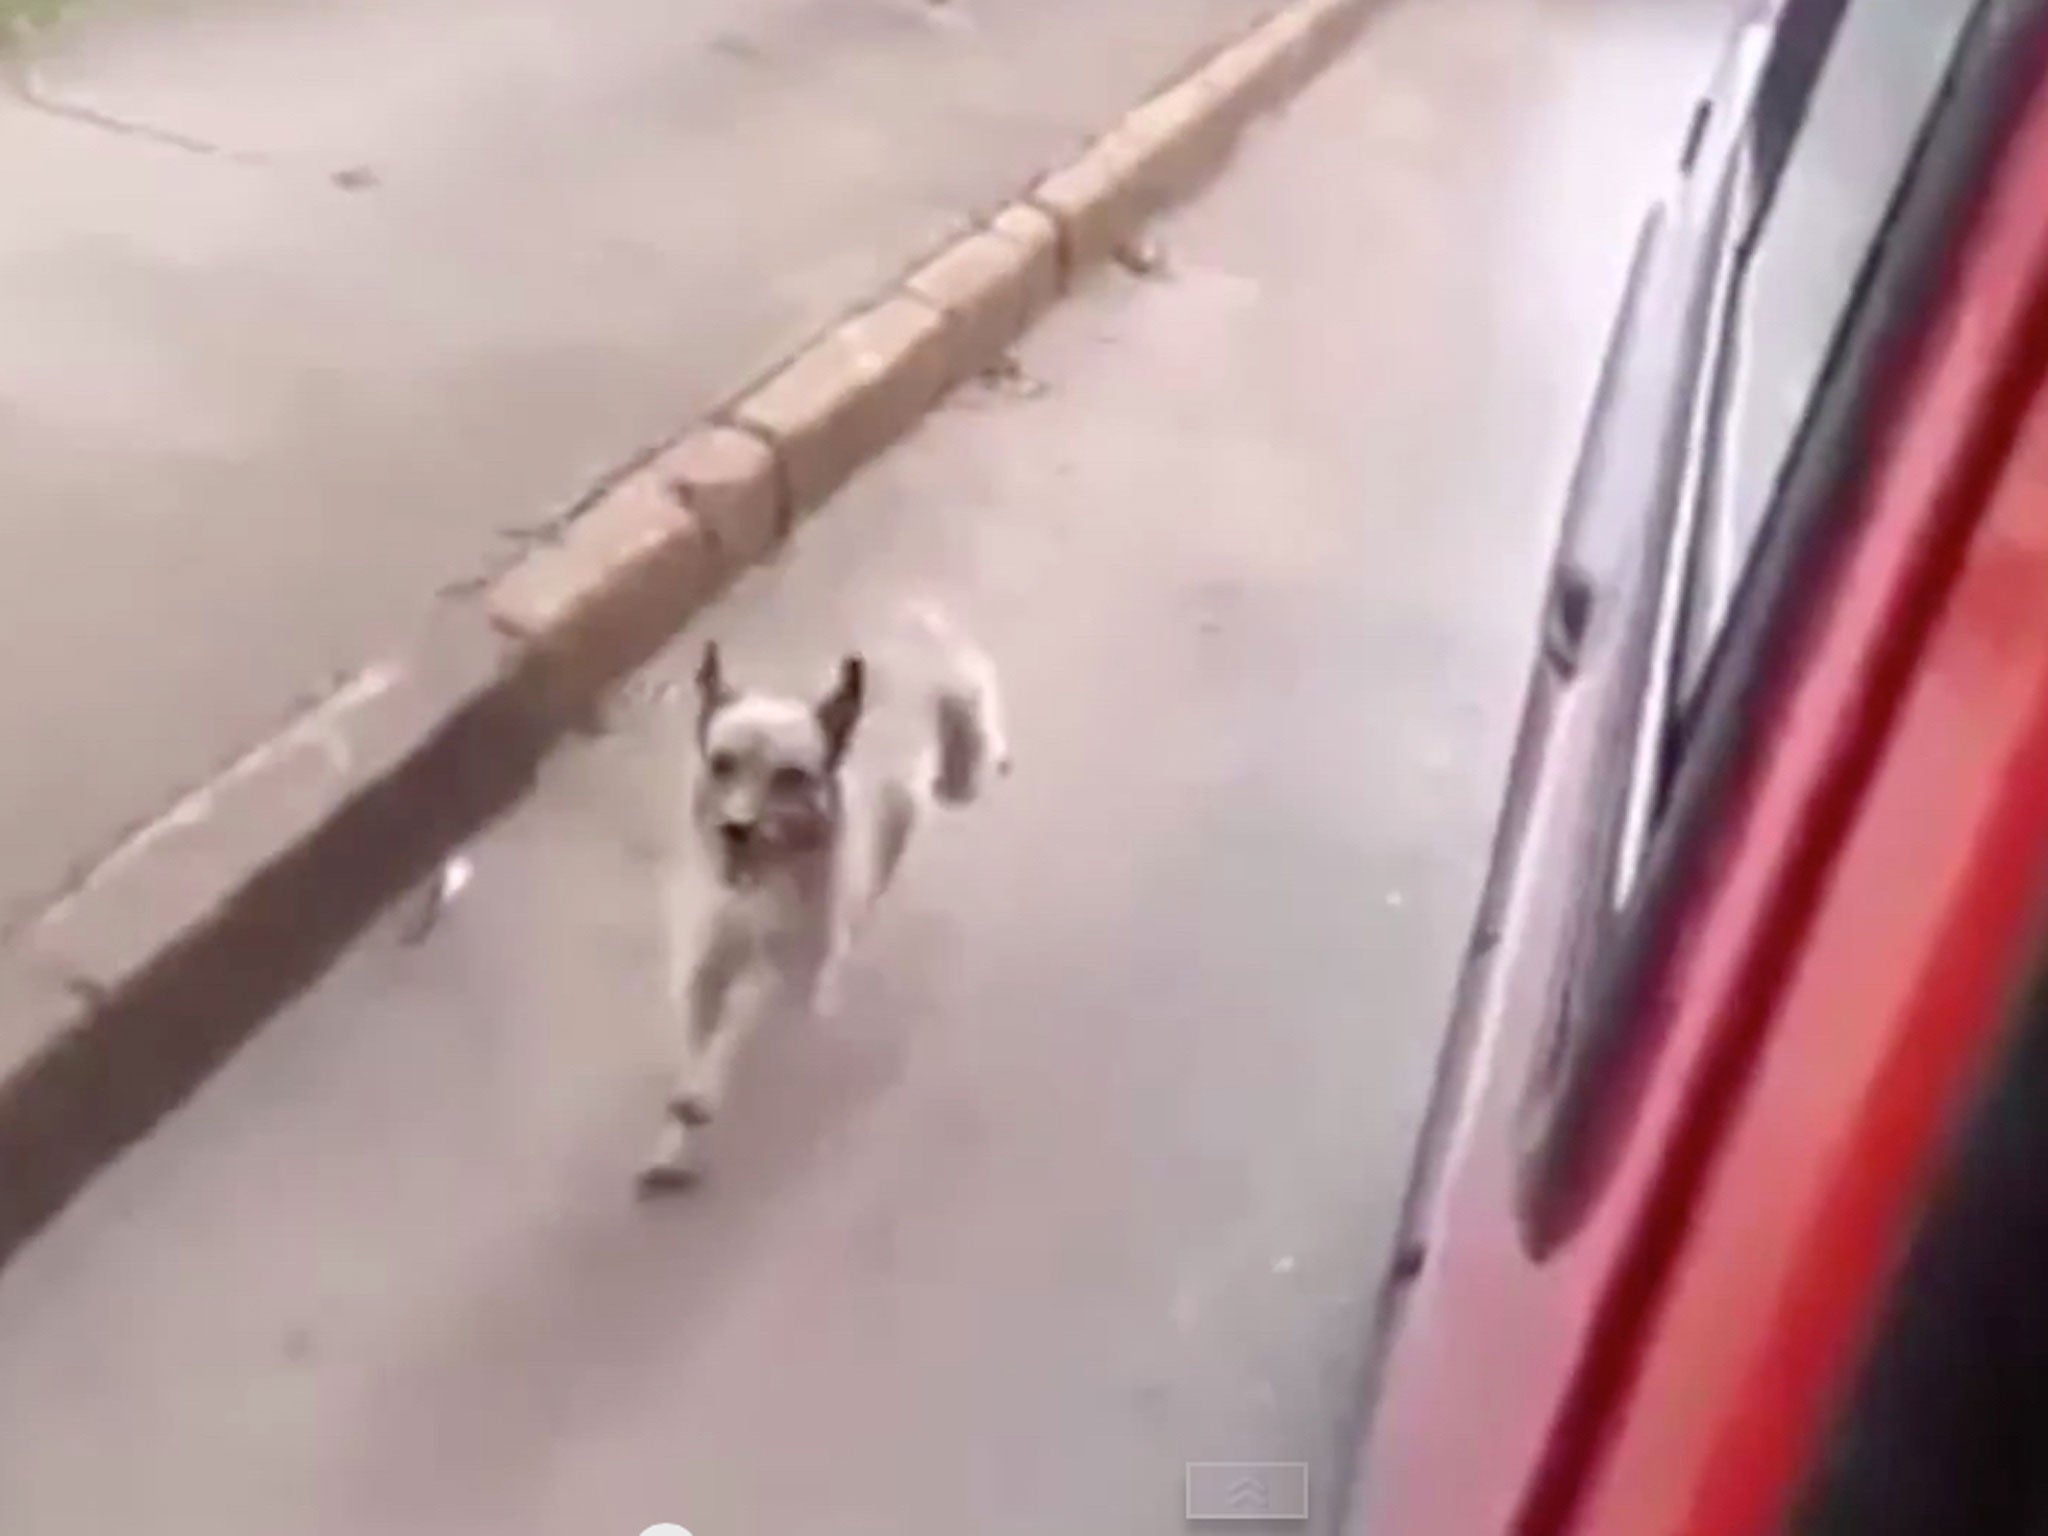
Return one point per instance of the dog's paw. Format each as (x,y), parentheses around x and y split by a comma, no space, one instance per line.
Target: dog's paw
(828,997)
(693,1106)
(658,1179)
(674,1164)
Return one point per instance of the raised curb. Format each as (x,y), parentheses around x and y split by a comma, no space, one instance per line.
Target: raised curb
(117,1001)
(848,395)
(730,478)
(986,288)
(124,996)
(602,600)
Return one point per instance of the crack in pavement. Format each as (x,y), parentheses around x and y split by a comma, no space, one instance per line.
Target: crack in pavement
(20,79)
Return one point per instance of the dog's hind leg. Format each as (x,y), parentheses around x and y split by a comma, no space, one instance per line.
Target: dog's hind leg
(971,742)
(896,812)
(896,816)
(828,985)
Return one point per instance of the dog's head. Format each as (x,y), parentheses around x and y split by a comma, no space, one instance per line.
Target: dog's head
(769,785)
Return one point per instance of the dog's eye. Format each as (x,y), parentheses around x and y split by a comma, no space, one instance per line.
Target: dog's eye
(790,781)
(723,765)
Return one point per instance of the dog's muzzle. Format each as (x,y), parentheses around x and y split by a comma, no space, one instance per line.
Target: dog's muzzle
(736,841)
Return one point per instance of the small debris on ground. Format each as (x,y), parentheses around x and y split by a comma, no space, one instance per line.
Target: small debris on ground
(1284,1265)
(734,46)
(1142,256)
(356,178)
(1006,376)
(434,898)
(950,14)
(462,586)
(546,530)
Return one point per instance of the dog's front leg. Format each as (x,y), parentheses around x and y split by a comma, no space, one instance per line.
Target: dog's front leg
(827,988)
(710,1037)
(714,1028)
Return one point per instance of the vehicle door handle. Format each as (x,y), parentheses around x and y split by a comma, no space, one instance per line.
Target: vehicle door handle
(1567,616)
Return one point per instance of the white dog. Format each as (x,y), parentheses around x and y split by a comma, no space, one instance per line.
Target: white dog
(802,841)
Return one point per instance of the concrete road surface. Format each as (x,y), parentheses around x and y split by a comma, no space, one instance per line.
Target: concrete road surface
(314,307)
(1094,1174)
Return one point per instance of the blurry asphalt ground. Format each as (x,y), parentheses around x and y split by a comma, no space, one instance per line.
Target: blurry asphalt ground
(1095,1173)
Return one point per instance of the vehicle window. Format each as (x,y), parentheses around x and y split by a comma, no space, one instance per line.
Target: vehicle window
(1830,271)
(1840,108)
(1805,32)
(1816,209)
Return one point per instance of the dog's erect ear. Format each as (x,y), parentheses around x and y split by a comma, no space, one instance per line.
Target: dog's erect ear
(840,711)
(713,692)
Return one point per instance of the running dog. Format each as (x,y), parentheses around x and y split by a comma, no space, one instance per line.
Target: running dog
(802,841)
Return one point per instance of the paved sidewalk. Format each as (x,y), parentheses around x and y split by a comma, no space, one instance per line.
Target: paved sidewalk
(312,308)
(1095,1173)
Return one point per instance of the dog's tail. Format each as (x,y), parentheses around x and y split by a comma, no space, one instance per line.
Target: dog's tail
(969,743)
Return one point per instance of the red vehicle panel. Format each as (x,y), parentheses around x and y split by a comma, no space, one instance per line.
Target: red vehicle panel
(1901,973)
(1844,958)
